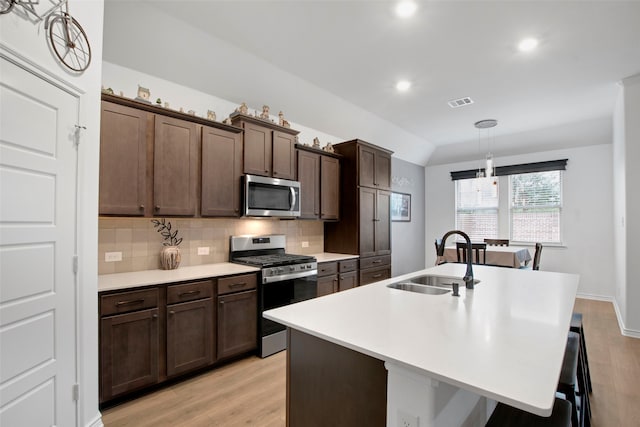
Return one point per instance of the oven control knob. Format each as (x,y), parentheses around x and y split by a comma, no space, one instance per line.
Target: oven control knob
(292,268)
(280,270)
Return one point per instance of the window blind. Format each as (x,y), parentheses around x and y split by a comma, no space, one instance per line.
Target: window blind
(477,208)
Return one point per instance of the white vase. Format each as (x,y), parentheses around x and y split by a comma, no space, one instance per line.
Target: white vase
(170,257)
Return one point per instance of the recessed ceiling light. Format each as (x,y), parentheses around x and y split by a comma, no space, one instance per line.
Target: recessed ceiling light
(406,8)
(527,45)
(403,85)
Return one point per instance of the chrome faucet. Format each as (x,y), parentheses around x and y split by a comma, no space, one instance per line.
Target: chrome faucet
(468,276)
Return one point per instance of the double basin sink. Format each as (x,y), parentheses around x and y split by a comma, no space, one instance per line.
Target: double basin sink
(430,284)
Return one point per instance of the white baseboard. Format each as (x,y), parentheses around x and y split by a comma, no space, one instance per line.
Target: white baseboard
(595,297)
(96,421)
(623,330)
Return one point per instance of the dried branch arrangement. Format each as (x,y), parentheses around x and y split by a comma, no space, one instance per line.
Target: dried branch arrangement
(164,228)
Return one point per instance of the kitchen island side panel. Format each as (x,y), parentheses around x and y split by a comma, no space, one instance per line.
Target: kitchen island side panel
(330,385)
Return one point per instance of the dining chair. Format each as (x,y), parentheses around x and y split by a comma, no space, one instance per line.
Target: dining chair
(476,248)
(439,260)
(497,242)
(536,257)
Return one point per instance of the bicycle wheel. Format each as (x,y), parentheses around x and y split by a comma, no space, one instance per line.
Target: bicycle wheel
(69,42)
(6,6)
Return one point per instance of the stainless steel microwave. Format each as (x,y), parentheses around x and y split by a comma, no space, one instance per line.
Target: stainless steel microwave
(264,196)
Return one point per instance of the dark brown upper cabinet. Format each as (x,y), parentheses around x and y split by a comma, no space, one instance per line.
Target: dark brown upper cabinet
(269,149)
(175,169)
(221,172)
(123,160)
(319,176)
(374,167)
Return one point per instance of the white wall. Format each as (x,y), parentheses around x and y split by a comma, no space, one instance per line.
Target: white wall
(627,205)
(587,214)
(407,245)
(26,39)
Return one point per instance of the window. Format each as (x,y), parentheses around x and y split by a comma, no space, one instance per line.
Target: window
(477,207)
(535,206)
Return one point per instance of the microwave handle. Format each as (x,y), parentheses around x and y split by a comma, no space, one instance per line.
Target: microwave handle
(292,198)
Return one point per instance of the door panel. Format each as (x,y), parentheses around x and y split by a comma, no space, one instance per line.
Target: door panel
(367,221)
(38,166)
(383,223)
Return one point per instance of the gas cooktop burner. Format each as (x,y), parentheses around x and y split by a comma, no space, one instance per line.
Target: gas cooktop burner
(274,259)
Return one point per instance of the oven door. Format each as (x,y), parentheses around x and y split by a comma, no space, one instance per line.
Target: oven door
(277,294)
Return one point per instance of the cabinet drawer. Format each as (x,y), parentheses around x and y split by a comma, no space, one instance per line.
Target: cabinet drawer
(124,302)
(189,291)
(374,275)
(375,261)
(348,265)
(327,268)
(236,283)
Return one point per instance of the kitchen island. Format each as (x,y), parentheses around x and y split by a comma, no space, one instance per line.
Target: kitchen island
(389,356)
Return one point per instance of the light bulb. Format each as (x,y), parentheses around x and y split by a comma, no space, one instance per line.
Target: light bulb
(489,167)
(406,8)
(403,85)
(527,45)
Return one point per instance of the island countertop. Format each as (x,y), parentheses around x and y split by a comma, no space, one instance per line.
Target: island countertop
(505,339)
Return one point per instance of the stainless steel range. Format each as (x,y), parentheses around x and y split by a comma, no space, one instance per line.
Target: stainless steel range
(284,279)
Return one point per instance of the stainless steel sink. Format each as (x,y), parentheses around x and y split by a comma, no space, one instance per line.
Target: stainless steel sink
(443,281)
(413,287)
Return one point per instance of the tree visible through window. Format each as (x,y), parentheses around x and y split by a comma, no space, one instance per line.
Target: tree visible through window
(536,204)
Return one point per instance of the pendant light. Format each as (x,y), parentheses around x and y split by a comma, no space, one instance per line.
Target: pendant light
(486,124)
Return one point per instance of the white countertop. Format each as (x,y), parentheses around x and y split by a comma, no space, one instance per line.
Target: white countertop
(110,282)
(505,339)
(328,257)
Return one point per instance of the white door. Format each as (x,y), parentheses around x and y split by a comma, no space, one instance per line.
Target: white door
(37,246)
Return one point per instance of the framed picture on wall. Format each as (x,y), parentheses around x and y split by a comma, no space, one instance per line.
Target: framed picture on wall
(400,207)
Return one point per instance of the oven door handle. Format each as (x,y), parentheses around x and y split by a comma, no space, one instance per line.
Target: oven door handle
(288,276)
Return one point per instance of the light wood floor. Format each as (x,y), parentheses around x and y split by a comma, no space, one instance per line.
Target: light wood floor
(251,392)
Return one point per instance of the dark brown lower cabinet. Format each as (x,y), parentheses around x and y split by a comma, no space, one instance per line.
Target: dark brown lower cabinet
(347,280)
(327,285)
(330,385)
(237,323)
(129,345)
(190,336)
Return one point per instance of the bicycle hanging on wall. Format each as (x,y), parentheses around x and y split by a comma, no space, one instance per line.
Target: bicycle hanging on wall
(67,38)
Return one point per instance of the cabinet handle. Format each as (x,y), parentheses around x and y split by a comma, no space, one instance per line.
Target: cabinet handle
(235,285)
(221,302)
(184,294)
(274,172)
(129,302)
(172,312)
(266,171)
(157,207)
(375,276)
(154,316)
(378,261)
(141,207)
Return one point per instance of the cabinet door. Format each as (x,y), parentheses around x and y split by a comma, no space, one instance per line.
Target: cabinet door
(372,275)
(284,156)
(366,166)
(237,323)
(128,352)
(367,214)
(383,223)
(327,285)
(221,172)
(329,188)
(257,150)
(190,336)
(347,280)
(383,170)
(175,167)
(123,160)
(308,175)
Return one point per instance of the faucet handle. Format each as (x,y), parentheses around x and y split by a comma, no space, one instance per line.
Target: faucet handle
(455,289)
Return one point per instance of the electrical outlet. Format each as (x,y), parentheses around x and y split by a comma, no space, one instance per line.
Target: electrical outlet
(407,420)
(305,244)
(203,250)
(112,256)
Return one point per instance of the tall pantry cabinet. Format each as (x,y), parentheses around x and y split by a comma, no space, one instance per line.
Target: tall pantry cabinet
(364,228)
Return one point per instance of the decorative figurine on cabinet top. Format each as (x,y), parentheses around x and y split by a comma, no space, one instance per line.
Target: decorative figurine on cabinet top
(243,109)
(227,121)
(329,148)
(316,142)
(265,112)
(211,115)
(143,94)
(281,121)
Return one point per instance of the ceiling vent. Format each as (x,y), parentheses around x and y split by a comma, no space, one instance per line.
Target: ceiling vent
(461,102)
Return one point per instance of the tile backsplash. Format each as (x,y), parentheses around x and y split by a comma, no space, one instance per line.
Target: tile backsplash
(140,243)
